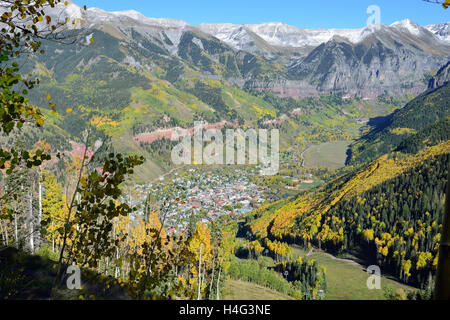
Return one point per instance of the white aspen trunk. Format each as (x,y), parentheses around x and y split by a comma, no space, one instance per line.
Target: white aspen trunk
(199,274)
(3,233)
(212,277)
(106,266)
(6,233)
(203,273)
(40,200)
(117,270)
(77,227)
(218,284)
(53,239)
(40,206)
(31,227)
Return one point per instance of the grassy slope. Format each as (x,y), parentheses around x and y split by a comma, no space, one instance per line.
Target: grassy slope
(146,172)
(327,155)
(346,280)
(242,290)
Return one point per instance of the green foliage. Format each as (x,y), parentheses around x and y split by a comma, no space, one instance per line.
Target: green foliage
(20,20)
(249,270)
(97,208)
(14,106)
(405,214)
(20,33)
(152,274)
(306,275)
(213,96)
(432,135)
(417,115)
(14,111)
(299,279)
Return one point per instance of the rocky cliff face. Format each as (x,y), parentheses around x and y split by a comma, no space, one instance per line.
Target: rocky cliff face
(442,78)
(440,30)
(384,61)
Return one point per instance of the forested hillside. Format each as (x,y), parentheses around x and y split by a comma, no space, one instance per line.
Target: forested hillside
(389,213)
(434,134)
(417,115)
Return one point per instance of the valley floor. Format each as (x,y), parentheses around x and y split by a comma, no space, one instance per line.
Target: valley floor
(327,155)
(346,279)
(243,290)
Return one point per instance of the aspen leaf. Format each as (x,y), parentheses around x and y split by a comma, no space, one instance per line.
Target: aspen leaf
(39,122)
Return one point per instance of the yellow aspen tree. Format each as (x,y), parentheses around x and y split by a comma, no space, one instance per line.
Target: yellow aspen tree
(200,246)
(53,208)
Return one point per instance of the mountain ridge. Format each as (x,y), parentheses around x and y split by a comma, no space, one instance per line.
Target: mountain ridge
(291,61)
(269,31)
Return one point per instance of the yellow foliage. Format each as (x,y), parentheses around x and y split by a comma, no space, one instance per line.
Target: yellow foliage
(200,243)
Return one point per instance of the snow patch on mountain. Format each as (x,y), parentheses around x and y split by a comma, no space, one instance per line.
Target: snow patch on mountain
(408,25)
(441,30)
(281,35)
(243,36)
(198,42)
(97,15)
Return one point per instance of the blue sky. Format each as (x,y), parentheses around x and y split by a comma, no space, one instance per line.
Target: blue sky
(301,13)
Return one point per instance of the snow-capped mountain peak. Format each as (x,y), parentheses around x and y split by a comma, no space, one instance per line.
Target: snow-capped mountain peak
(133,14)
(62,11)
(276,34)
(283,35)
(441,30)
(408,25)
(95,15)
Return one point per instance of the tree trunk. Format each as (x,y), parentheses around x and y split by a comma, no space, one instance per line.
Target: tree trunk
(212,277)
(203,273)
(117,271)
(71,207)
(30,221)
(6,233)
(39,208)
(53,238)
(199,274)
(40,199)
(4,228)
(106,266)
(218,285)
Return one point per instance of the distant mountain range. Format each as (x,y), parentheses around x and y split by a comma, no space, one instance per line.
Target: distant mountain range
(295,62)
